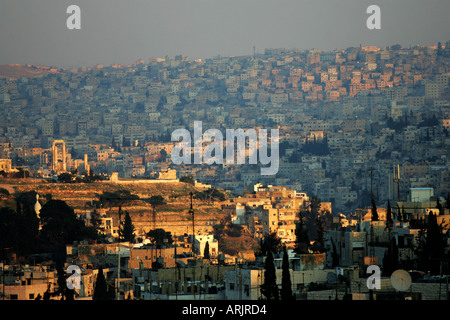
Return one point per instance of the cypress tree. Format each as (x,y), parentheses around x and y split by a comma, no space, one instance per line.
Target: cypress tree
(206,254)
(128,228)
(435,243)
(61,281)
(334,255)
(389,220)
(29,229)
(374,211)
(431,244)
(100,289)
(421,249)
(301,237)
(439,207)
(320,232)
(286,286)
(270,242)
(390,259)
(269,288)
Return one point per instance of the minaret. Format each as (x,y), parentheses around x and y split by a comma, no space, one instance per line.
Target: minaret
(37,209)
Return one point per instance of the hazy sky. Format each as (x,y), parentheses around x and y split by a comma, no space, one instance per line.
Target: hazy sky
(119,31)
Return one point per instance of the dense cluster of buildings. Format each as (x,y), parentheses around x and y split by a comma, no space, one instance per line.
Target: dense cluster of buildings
(346,118)
(354,124)
(193,267)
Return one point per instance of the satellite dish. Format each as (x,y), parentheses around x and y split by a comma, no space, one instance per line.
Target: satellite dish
(401,280)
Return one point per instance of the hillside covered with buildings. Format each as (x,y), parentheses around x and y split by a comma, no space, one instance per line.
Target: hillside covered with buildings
(363,176)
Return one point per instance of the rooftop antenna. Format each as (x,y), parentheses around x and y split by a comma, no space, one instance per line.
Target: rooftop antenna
(371,184)
(372,235)
(191,212)
(396,181)
(154,217)
(118,258)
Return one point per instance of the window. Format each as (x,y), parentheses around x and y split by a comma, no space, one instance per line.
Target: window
(31,296)
(231,286)
(14,297)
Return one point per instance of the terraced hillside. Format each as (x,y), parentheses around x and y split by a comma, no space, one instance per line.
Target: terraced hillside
(173,216)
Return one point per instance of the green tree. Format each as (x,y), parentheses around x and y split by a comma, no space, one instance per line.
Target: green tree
(160,237)
(389,220)
(269,288)
(315,205)
(301,236)
(436,243)
(211,193)
(114,144)
(127,232)
(334,255)
(269,243)
(286,285)
(27,222)
(125,142)
(439,49)
(19,229)
(439,207)
(100,288)
(421,248)
(95,219)
(431,244)
(60,225)
(117,198)
(206,254)
(63,290)
(4,192)
(313,218)
(163,155)
(29,229)
(9,232)
(188,179)
(65,177)
(319,243)
(374,210)
(390,259)
(156,201)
